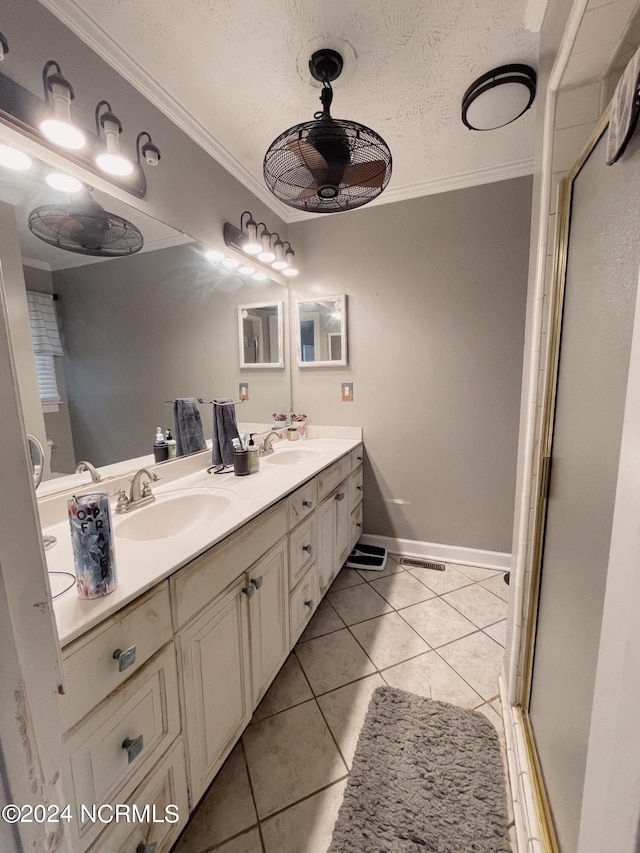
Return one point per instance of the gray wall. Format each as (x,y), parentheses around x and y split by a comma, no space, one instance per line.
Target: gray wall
(437,290)
(149,328)
(57,424)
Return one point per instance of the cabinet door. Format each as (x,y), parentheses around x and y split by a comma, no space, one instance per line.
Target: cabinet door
(269,617)
(216,675)
(343,525)
(326,542)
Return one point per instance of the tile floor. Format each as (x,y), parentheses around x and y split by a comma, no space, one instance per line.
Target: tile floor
(437,634)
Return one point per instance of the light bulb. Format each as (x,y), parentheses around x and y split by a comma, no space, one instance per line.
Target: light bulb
(279,265)
(246,270)
(231,263)
(64,183)
(214,255)
(259,276)
(12,158)
(59,129)
(280,261)
(252,246)
(267,256)
(290,271)
(112,162)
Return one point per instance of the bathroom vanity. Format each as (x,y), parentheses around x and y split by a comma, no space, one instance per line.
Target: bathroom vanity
(163,675)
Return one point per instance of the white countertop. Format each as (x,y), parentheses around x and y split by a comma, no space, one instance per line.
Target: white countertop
(140,565)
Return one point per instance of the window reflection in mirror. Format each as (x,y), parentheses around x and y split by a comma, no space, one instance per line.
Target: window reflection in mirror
(136,331)
(321,328)
(260,335)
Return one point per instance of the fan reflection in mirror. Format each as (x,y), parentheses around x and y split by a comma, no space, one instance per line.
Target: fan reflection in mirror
(321,330)
(260,335)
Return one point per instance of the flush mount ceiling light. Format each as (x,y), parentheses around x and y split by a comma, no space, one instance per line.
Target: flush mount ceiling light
(59,129)
(499,97)
(111,161)
(85,227)
(327,165)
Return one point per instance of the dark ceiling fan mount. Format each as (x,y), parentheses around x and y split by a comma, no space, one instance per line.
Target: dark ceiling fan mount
(327,165)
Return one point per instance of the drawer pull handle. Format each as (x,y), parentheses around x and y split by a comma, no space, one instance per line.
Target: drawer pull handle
(249,591)
(133,747)
(147,848)
(309,604)
(257,582)
(308,549)
(307,504)
(359,488)
(358,524)
(125,658)
(340,496)
(359,458)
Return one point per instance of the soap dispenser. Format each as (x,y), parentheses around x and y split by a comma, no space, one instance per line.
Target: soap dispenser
(171,444)
(160,447)
(254,455)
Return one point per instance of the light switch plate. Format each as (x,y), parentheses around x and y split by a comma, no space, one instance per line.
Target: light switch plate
(347,392)
(244,390)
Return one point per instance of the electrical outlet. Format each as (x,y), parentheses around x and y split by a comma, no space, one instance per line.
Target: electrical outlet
(244,390)
(347,392)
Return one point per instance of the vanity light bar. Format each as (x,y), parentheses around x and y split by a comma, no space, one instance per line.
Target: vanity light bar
(265,248)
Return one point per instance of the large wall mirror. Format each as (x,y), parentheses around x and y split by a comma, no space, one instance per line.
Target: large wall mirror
(135,332)
(321,331)
(261,335)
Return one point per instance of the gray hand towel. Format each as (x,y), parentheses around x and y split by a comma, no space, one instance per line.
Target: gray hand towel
(187,426)
(225,428)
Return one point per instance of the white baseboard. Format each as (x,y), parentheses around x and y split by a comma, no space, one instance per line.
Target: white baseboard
(525,813)
(444,553)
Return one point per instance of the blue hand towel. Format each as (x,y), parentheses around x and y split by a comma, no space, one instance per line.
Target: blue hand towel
(187,425)
(225,428)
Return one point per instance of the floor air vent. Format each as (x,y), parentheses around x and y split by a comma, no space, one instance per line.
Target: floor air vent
(421,564)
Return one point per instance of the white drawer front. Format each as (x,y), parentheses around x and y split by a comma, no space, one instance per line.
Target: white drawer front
(93,668)
(302,502)
(144,714)
(357,457)
(302,549)
(356,525)
(355,488)
(329,479)
(302,603)
(167,786)
(205,578)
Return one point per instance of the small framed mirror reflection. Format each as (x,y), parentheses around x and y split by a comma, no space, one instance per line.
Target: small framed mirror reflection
(321,330)
(260,335)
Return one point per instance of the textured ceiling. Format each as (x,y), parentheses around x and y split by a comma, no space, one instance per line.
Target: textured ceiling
(235,75)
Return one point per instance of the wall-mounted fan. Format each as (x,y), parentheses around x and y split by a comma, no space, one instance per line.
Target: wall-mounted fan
(327,165)
(85,227)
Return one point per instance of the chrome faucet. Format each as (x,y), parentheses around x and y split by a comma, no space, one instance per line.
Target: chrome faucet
(265,447)
(87,466)
(140,493)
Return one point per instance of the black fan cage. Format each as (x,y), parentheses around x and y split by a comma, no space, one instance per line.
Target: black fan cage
(287,175)
(100,235)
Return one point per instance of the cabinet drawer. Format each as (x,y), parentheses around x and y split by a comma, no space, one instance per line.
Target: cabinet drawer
(206,577)
(302,603)
(302,549)
(329,479)
(92,665)
(153,822)
(302,502)
(357,457)
(112,751)
(355,488)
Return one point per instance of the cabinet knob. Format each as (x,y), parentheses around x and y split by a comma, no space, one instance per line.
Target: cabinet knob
(308,549)
(359,458)
(125,658)
(307,504)
(133,747)
(257,582)
(340,496)
(359,488)
(359,524)
(249,591)
(309,604)
(151,847)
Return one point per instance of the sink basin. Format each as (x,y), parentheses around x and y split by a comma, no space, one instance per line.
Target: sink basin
(170,515)
(290,457)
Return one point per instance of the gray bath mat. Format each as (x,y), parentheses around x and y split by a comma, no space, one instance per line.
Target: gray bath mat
(427,777)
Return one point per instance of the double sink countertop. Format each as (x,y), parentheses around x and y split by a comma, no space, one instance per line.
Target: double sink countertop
(193,511)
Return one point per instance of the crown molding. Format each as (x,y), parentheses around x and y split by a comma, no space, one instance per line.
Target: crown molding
(73,16)
(464,180)
(39,265)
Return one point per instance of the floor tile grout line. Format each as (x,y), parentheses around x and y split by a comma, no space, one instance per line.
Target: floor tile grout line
(255,825)
(302,799)
(253,795)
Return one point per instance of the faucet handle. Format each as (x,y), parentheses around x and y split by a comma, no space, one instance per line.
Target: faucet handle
(123,500)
